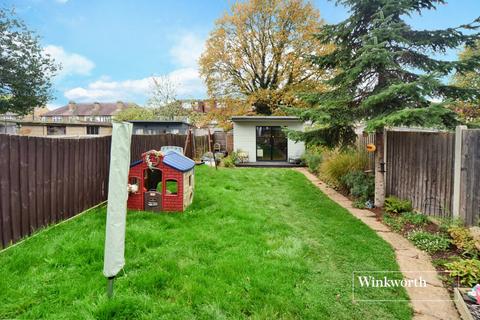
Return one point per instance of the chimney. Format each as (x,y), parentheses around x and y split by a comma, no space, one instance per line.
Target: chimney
(120,106)
(96,106)
(72,106)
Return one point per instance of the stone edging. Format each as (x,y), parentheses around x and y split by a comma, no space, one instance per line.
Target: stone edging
(409,258)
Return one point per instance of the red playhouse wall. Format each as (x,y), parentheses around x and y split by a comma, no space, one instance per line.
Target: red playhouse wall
(170,202)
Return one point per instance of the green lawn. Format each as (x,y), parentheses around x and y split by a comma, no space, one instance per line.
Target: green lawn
(257,243)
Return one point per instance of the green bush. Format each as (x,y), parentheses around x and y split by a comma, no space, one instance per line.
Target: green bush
(463,240)
(397,222)
(394,222)
(396,205)
(312,158)
(468,271)
(359,184)
(230,160)
(336,164)
(414,218)
(359,204)
(447,223)
(429,242)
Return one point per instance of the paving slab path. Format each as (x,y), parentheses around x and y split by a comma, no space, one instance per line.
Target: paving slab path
(412,261)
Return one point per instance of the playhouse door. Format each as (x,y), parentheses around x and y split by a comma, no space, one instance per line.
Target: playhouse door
(153,201)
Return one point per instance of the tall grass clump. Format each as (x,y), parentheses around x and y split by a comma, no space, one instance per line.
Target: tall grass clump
(337,163)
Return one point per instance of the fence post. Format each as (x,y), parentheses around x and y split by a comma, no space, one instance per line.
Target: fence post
(379,169)
(457,171)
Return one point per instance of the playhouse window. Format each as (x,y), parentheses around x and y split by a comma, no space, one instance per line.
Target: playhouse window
(134,182)
(190,180)
(171,186)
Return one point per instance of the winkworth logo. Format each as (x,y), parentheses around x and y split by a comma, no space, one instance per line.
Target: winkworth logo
(385,282)
(392,286)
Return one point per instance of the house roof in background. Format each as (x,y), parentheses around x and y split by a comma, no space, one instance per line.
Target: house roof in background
(90,109)
(63,124)
(264,118)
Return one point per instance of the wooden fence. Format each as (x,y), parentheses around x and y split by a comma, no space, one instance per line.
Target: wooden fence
(45,180)
(469,202)
(142,143)
(420,166)
(361,143)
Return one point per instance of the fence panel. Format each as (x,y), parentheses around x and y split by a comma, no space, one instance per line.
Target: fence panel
(142,143)
(201,146)
(419,167)
(229,141)
(45,180)
(362,141)
(470,177)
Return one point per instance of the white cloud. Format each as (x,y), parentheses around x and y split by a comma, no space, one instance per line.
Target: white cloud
(187,50)
(61,1)
(72,63)
(185,54)
(187,80)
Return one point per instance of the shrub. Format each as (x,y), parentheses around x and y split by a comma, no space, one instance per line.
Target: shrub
(447,223)
(468,271)
(429,242)
(414,218)
(230,160)
(359,204)
(394,222)
(337,164)
(396,205)
(463,240)
(312,159)
(359,184)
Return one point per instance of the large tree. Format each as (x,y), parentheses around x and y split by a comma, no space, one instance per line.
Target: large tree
(163,99)
(257,52)
(25,71)
(385,72)
(468,111)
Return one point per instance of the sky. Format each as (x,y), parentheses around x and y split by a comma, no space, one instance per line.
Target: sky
(110,49)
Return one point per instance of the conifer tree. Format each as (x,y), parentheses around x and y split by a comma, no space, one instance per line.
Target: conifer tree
(385,72)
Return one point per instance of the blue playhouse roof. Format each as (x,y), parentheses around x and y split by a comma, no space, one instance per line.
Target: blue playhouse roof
(178,161)
(175,160)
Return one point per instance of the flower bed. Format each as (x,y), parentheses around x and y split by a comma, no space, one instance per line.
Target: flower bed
(450,245)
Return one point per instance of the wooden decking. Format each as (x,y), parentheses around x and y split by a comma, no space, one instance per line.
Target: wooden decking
(269,164)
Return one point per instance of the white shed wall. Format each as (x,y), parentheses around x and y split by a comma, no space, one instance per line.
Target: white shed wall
(244,137)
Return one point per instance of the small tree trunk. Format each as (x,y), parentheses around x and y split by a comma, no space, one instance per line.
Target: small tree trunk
(379,170)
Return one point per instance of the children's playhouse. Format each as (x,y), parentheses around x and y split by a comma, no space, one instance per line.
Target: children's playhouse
(161,181)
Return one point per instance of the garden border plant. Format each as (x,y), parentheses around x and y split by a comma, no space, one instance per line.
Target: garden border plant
(450,245)
(343,169)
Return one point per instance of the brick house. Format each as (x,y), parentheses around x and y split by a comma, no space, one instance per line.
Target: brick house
(75,119)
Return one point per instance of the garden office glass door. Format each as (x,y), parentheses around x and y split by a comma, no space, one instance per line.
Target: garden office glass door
(271,144)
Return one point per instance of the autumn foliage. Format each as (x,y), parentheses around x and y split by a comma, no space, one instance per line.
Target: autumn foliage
(258,53)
